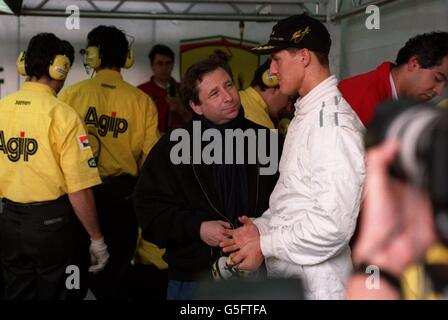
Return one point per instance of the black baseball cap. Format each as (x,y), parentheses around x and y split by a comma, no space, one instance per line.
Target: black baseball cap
(299,31)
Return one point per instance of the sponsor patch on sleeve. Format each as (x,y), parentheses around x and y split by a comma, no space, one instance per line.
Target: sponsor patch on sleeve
(84,142)
(92,163)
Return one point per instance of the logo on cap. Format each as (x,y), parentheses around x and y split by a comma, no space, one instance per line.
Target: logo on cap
(263,48)
(298,35)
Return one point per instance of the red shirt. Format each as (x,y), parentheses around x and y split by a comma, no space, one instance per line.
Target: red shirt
(365,91)
(159,94)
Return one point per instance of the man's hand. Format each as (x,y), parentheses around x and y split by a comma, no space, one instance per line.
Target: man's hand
(397,225)
(241,236)
(213,232)
(98,255)
(249,257)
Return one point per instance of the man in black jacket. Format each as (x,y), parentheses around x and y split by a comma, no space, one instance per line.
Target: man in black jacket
(191,191)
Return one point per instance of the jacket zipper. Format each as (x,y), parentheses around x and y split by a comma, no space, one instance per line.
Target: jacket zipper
(208,199)
(211,204)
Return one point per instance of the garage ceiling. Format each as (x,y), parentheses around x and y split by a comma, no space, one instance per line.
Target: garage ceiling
(218,10)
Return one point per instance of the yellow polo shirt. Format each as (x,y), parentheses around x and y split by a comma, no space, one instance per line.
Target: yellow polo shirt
(44,150)
(121,121)
(255,108)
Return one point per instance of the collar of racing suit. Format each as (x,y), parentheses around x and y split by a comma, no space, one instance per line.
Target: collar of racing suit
(323,92)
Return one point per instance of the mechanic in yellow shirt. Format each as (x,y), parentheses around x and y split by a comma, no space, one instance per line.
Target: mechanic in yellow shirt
(122,124)
(46,172)
(262,101)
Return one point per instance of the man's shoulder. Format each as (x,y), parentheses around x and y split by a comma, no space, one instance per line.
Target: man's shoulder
(336,115)
(144,85)
(365,80)
(248,124)
(42,102)
(160,154)
(365,91)
(133,89)
(10,98)
(75,87)
(76,90)
(133,94)
(148,87)
(65,116)
(173,136)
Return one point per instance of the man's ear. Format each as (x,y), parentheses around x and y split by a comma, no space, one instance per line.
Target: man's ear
(303,56)
(306,56)
(196,108)
(413,63)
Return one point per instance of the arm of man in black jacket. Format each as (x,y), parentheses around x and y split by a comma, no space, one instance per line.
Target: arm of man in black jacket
(164,216)
(161,214)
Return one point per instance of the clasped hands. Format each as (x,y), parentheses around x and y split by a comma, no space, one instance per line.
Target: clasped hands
(244,243)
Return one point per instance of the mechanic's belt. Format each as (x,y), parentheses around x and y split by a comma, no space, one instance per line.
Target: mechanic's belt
(8,202)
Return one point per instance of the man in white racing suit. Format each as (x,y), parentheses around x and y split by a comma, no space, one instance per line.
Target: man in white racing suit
(313,209)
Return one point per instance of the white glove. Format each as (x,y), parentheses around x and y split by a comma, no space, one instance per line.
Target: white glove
(98,255)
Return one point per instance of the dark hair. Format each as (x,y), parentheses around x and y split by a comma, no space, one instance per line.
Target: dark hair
(322,57)
(112,44)
(160,49)
(430,49)
(194,75)
(69,51)
(221,55)
(42,49)
(258,75)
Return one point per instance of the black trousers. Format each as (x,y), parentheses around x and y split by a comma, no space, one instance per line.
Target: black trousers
(148,283)
(119,227)
(37,243)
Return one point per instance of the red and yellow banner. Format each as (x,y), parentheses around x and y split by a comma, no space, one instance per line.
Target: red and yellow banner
(240,58)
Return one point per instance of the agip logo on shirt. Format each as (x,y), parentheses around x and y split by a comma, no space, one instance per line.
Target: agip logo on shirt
(105,123)
(16,147)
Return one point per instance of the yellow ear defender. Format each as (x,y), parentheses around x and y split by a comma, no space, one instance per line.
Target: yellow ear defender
(129,59)
(58,69)
(92,57)
(20,63)
(269,80)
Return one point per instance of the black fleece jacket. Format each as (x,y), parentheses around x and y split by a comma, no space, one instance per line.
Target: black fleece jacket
(171,201)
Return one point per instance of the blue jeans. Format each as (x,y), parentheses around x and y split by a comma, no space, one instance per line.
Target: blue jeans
(181,290)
